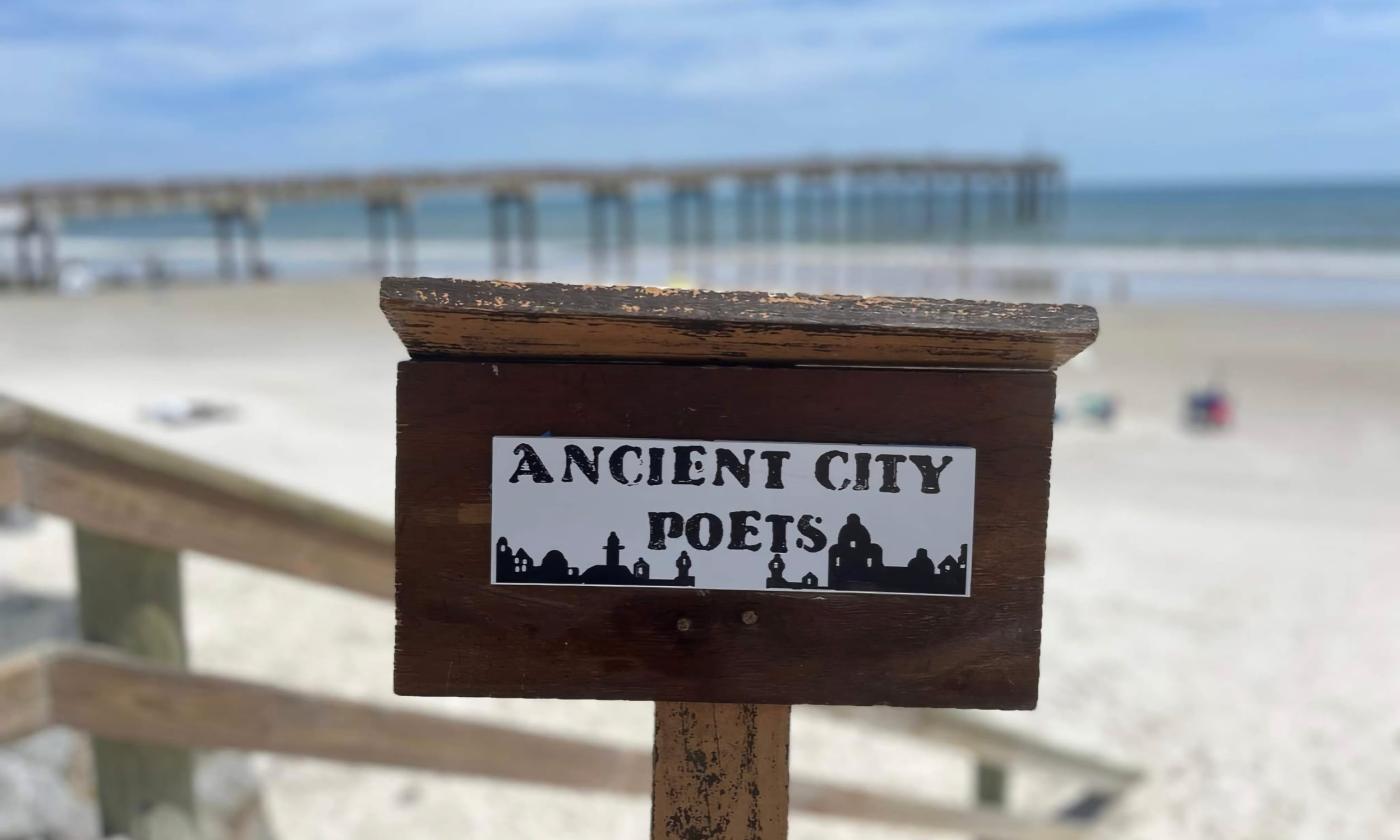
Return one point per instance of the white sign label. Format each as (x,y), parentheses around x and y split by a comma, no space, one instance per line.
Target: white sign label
(725,514)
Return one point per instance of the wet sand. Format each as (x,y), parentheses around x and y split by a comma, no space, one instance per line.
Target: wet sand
(1221,609)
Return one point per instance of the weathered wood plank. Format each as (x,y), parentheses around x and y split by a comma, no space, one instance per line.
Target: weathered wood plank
(129,597)
(439,318)
(835,801)
(720,771)
(10,488)
(990,743)
(120,486)
(116,696)
(459,635)
(120,698)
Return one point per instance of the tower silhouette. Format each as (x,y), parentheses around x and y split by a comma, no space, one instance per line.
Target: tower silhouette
(853,558)
(611,571)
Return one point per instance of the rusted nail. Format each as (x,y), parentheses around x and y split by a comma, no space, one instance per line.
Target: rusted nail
(749,617)
(683,624)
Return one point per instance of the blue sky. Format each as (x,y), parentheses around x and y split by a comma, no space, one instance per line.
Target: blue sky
(1124,91)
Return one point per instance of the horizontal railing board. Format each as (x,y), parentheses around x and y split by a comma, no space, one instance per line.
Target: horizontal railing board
(988,742)
(491,319)
(126,488)
(115,696)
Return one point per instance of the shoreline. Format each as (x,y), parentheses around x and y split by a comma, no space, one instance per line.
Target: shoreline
(1290,277)
(1270,260)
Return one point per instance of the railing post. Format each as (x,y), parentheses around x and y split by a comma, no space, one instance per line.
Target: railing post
(991,788)
(129,597)
(720,770)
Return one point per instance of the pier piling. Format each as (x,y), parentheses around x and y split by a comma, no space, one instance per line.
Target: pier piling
(407,232)
(859,189)
(759,209)
(504,203)
(378,239)
(928,205)
(228,218)
(816,208)
(36,251)
(223,243)
(692,224)
(607,200)
(965,203)
(381,212)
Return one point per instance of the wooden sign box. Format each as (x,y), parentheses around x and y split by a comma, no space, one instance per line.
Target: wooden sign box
(496,359)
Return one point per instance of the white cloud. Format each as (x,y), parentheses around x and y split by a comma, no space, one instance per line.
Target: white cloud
(199,42)
(340,82)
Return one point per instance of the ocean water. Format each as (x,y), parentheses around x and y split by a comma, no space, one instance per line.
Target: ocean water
(1308,244)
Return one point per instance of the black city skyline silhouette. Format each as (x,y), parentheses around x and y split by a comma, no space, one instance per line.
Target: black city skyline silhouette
(519,567)
(855,563)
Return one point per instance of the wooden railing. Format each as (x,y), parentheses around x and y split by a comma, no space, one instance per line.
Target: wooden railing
(118,486)
(135,506)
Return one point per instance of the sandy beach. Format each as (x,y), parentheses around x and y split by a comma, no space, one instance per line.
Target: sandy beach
(1220,609)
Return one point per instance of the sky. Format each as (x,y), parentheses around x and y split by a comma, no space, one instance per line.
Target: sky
(1123,91)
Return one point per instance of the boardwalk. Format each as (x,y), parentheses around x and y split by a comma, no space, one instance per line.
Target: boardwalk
(846,198)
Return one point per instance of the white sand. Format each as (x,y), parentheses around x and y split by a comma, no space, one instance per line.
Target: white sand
(1220,611)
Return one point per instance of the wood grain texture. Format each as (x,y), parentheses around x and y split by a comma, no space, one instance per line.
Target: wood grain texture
(120,697)
(120,486)
(720,770)
(459,635)
(441,318)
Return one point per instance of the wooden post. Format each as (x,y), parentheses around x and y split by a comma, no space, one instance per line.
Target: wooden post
(991,788)
(129,598)
(720,770)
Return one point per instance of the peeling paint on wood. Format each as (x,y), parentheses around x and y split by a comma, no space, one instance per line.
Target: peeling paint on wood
(720,772)
(446,318)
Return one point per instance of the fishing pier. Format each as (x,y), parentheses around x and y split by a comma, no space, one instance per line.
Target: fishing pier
(831,199)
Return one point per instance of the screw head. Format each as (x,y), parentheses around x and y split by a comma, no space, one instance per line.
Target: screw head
(683,624)
(749,617)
